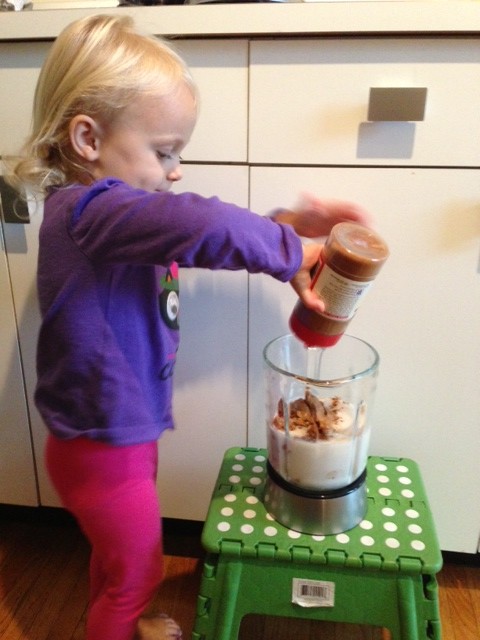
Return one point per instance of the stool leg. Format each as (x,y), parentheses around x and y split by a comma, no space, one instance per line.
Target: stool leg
(227,606)
(407,609)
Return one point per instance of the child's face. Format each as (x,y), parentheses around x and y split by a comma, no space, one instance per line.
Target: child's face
(142,146)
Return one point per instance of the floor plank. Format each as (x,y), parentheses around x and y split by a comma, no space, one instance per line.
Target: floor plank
(460,602)
(44,592)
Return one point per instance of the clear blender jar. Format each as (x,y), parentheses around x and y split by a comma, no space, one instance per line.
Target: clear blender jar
(319,405)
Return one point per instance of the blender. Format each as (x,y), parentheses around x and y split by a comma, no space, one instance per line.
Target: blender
(319,406)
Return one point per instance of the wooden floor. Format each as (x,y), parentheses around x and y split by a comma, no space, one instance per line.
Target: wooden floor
(43,592)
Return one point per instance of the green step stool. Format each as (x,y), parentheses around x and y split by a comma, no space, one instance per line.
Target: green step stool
(381,573)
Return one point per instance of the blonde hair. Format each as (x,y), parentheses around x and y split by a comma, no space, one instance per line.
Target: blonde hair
(95,67)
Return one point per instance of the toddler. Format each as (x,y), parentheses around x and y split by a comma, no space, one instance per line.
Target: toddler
(113,110)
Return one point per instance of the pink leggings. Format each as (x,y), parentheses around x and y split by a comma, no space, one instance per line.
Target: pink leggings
(111,491)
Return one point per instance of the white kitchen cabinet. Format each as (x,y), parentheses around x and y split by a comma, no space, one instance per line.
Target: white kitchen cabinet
(220,69)
(309,101)
(420,316)
(279,115)
(22,248)
(421,181)
(17,468)
(19,66)
(210,383)
(212,372)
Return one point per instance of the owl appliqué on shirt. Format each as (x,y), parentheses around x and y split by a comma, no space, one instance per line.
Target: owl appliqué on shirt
(168,299)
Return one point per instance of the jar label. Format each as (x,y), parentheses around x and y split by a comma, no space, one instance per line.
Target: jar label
(341,295)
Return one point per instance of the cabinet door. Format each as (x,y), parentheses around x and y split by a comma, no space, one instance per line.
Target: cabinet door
(19,68)
(421,315)
(22,250)
(309,101)
(211,373)
(17,469)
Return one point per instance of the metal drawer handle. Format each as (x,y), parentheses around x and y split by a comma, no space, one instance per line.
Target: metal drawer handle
(404,104)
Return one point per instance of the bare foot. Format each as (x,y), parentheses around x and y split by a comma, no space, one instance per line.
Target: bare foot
(158,627)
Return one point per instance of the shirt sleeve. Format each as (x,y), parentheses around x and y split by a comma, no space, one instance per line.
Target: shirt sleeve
(113,223)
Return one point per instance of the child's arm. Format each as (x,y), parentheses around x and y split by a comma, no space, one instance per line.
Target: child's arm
(313,217)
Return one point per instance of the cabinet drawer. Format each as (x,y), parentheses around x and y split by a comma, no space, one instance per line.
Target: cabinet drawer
(309,101)
(19,69)
(220,68)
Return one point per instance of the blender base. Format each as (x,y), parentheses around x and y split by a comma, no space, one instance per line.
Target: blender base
(315,512)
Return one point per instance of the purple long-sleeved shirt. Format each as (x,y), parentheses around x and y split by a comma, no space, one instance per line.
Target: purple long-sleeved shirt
(107,285)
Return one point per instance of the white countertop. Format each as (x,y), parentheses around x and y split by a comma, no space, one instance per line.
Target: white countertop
(266,19)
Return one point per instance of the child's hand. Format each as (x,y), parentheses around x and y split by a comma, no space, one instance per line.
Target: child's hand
(313,217)
(301,281)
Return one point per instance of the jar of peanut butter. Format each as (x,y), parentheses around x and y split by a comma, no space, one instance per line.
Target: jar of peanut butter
(351,258)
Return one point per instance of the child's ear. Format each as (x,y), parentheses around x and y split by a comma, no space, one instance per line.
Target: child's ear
(84,135)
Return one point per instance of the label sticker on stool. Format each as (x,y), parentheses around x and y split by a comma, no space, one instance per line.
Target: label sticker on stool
(313,593)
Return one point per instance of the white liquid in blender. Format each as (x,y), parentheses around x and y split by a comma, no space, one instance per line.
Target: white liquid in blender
(321,464)
(319,443)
